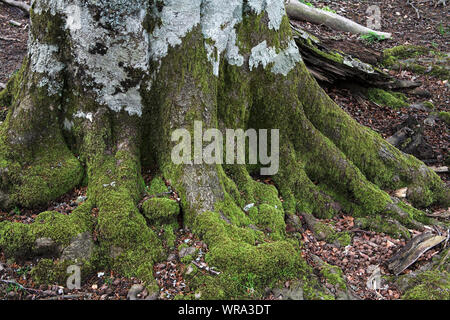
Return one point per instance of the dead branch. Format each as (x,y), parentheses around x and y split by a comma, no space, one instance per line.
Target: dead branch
(328,65)
(299,11)
(413,250)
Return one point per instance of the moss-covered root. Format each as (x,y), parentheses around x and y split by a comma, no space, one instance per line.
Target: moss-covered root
(243,264)
(35,164)
(128,245)
(379,161)
(20,241)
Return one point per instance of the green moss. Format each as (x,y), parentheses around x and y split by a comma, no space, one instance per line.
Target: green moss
(50,272)
(333,275)
(271,219)
(390,99)
(429,285)
(445,116)
(405,51)
(157,187)
(161,210)
(9,95)
(428,105)
(169,235)
(343,238)
(380,224)
(229,252)
(441,72)
(324,231)
(187,259)
(17,239)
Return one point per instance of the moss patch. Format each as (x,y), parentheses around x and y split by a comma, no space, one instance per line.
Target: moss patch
(161,210)
(390,99)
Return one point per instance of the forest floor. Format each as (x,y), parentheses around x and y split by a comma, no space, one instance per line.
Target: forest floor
(366,249)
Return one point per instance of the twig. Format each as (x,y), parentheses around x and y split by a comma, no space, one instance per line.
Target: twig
(69,296)
(214,272)
(18,4)
(20,286)
(9,39)
(417,10)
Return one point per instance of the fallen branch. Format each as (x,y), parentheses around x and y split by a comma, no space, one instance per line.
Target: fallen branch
(417,10)
(413,250)
(20,286)
(18,4)
(328,65)
(299,11)
(9,39)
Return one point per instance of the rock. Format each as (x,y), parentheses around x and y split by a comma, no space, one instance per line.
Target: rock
(134,291)
(154,296)
(294,220)
(81,247)
(294,292)
(401,193)
(248,207)
(187,251)
(80,200)
(46,247)
(420,106)
(172,257)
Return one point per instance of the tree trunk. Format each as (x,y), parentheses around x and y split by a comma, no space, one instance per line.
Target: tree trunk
(106,83)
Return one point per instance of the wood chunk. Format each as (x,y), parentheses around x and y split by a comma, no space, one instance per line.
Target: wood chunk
(413,250)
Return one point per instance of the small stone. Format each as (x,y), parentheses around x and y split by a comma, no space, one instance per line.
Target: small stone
(153,296)
(134,291)
(249,206)
(172,257)
(189,270)
(187,251)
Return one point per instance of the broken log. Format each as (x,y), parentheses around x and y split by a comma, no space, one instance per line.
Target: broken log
(330,66)
(413,250)
(300,11)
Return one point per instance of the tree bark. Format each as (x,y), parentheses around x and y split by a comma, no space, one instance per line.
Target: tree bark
(105,84)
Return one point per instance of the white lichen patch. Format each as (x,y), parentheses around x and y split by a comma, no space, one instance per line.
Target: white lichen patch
(80,114)
(68,125)
(177,18)
(219,19)
(106,57)
(355,63)
(111,50)
(283,62)
(44,61)
(274,8)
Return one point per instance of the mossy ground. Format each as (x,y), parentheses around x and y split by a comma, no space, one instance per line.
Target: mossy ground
(394,100)
(409,57)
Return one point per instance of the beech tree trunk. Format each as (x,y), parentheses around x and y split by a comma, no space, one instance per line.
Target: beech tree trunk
(104,85)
